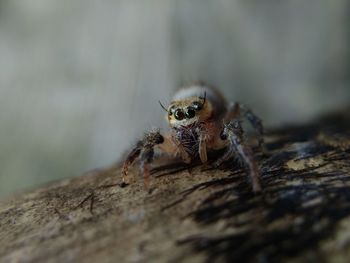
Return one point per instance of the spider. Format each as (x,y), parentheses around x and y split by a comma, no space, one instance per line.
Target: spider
(200,120)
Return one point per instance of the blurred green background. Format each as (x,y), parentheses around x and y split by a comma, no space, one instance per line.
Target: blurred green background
(80,80)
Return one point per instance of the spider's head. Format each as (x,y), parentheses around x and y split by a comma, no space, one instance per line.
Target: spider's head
(188,111)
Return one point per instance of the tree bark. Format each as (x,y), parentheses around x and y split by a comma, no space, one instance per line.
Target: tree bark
(196,213)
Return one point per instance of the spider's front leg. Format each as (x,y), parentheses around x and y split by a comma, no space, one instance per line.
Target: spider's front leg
(233,133)
(144,150)
(240,111)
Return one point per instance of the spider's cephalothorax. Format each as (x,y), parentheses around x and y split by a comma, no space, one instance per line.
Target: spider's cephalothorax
(200,120)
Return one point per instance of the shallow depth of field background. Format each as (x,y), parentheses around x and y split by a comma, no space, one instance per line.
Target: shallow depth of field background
(80,80)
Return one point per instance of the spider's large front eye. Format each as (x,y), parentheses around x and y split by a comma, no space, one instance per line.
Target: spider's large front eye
(179,115)
(190,113)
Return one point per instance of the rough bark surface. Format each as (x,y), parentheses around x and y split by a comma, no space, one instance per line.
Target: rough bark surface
(196,213)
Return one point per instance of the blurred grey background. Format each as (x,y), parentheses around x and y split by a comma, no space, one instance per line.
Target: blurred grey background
(80,80)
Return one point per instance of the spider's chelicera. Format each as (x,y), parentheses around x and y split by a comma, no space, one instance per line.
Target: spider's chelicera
(200,120)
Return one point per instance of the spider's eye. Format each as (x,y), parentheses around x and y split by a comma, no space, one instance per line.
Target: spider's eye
(190,113)
(197,105)
(179,114)
(171,111)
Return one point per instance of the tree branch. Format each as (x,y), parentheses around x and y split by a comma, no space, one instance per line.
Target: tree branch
(194,213)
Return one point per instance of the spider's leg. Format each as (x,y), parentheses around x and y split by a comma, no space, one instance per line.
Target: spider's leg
(146,158)
(202,144)
(230,152)
(240,111)
(132,156)
(233,133)
(203,149)
(144,150)
(208,139)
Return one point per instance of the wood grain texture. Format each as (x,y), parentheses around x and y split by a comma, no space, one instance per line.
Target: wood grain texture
(196,213)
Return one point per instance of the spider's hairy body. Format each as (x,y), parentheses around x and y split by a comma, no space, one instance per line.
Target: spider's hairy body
(200,120)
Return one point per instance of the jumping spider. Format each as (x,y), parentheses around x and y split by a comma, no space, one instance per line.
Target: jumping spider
(200,120)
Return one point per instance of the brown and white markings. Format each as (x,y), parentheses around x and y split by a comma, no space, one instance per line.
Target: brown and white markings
(200,120)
